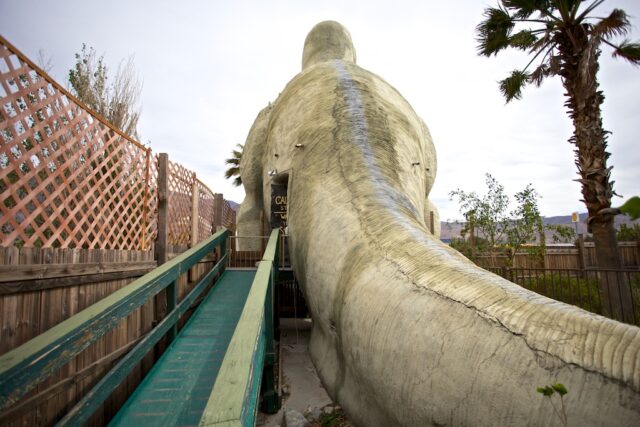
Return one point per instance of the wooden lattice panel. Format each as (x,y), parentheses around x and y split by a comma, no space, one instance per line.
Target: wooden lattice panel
(179,200)
(67,179)
(228,216)
(205,211)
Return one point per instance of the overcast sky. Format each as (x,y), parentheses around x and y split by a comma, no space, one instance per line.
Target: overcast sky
(209,67)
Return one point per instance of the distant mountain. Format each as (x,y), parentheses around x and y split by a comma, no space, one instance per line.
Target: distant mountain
(451,230)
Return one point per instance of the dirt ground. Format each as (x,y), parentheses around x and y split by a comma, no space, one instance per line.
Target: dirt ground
(303,394)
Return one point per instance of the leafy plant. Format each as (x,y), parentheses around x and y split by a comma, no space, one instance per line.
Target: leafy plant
(578,291)
(561,390)
(488,215)
(562,233)
(631,208)
(234,168)
(628,233)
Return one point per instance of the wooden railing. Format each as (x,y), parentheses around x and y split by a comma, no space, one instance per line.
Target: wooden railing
(235,395)
(23,368)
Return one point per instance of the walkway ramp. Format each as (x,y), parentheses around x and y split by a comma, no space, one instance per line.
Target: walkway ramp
(213,373)
(176,390)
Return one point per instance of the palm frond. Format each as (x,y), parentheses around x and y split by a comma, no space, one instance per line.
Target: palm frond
(522,9)
(616,24)
(233,161)
(231,172)
(511,87)
(539,74)
(494,31)
(629,51)
(588,10)
(238,181)
(523,40)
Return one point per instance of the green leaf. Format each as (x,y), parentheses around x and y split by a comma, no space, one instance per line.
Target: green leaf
(546,390)
(560,388)
(494,31)
(631,208)
(521,8)
(523,40)
(629,51)
(512,86)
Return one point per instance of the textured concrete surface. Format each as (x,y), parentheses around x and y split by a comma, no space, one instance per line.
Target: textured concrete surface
(406,330)
(304,392)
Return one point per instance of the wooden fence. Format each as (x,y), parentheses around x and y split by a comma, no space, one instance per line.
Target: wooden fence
(582,255)
(68,178)
(81,215)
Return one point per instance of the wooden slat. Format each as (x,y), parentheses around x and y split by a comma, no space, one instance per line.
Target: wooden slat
(9,288)
(24,367)
(17,273)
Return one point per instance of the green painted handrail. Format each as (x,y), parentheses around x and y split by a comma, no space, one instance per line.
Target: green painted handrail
(233,400)
(24,367)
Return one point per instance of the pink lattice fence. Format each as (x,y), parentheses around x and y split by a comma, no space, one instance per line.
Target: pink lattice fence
(69,179)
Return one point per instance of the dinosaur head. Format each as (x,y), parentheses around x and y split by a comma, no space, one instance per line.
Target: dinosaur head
(327,41)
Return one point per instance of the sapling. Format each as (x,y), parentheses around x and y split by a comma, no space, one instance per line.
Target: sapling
(549,391)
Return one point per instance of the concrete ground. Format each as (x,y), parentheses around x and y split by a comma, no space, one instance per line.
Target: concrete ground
(303,394)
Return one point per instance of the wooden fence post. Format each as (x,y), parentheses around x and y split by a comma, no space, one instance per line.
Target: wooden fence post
(580,246)
(195,223)
(145,206)
(432,225)
(218,206)
(165,300)
(195,219)
(163,208)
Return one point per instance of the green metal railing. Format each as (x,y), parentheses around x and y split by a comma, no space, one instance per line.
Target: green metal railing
(24,367)
(249,362)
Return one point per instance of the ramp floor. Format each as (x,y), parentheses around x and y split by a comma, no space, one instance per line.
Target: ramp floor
(176,390)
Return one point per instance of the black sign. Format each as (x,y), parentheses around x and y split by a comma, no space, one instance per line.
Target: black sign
(279,206)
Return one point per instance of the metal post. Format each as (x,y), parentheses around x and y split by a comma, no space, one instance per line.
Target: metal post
(172,300)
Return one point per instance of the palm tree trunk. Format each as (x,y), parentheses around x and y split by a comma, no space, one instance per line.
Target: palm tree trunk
(580,65)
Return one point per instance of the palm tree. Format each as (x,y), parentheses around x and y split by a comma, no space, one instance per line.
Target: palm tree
(564,39)
(234,169)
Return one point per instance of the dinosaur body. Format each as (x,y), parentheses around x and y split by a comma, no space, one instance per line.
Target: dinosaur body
(407,331)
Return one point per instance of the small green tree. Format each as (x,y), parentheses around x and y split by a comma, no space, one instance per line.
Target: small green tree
(488,216)
(234,169)
(525,224)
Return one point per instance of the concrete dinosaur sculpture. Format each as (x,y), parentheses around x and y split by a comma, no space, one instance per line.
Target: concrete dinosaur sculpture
(407,331)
